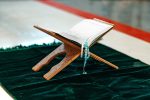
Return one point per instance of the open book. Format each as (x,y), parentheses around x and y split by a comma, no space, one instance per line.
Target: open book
(89,30)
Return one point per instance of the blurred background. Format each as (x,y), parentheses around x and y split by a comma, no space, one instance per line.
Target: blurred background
(17,17)
(135,13)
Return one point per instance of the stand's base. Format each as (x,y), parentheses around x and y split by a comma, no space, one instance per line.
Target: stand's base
(71,54)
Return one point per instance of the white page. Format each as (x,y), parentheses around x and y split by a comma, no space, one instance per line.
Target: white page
(87,29)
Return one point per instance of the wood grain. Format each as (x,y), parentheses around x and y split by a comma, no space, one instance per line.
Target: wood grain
(71,50)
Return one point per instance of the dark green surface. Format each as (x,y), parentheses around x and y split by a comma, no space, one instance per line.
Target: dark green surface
(130,82)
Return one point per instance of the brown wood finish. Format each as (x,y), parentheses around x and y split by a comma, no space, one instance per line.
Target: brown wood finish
(71,50)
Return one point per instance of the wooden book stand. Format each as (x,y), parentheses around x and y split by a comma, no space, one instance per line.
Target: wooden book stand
(71,50)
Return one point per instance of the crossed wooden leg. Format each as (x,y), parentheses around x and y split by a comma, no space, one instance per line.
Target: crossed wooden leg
(71,55)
